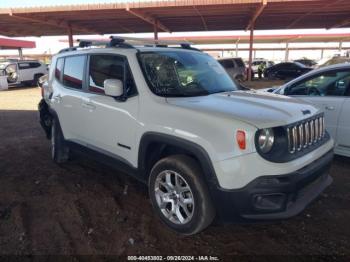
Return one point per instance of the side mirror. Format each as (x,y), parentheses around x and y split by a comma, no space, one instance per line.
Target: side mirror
(113,87)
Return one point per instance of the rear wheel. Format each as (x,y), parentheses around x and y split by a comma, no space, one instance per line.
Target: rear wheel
(59,148)
(36,80)
(179,195)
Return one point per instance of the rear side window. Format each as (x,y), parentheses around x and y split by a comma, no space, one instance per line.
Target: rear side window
(239,63)
(73,72)
(227,63)
(23,65)
(34,65)
(59,68)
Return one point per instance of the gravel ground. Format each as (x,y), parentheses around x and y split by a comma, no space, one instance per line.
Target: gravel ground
(84,208)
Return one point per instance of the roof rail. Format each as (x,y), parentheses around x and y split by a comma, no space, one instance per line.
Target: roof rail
(128,42)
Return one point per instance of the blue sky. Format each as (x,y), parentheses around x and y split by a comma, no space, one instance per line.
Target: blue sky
(26,3)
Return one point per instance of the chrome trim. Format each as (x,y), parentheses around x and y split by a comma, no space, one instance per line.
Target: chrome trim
(312,131)
(300,137)
(305,134)
(306,128)
(316,130)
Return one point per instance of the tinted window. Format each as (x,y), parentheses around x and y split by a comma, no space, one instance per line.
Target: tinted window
(59,68)
(227,63)
(239,63)
(34,65)
(73,71)
(326,84)
(23,65)
(102,67)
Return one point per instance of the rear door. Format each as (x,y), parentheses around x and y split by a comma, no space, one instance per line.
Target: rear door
(325,90)
(25,71)
(67,95)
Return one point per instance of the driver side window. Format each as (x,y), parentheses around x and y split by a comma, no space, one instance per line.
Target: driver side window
(333,83)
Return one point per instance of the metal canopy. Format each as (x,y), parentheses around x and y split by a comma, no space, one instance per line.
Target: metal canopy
(6,43)
(263,39)
(175,16)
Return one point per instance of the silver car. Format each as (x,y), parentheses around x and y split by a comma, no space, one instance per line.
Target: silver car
(235,67)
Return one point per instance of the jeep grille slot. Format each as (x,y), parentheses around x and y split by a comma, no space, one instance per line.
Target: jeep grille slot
(305,134)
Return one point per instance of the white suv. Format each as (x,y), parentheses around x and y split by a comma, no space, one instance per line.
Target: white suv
(23,71)
(174,119)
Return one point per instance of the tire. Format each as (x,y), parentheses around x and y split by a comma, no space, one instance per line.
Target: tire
(190,189)
(36,80)
(59,148)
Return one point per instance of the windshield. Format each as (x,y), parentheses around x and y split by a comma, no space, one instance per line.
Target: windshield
(178,73)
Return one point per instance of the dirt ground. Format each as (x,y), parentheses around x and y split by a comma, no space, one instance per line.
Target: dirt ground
(84,208)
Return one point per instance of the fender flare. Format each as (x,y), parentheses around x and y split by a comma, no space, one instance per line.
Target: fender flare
(198,151)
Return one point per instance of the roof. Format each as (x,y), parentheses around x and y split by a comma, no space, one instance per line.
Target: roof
(6,43)
(174,16)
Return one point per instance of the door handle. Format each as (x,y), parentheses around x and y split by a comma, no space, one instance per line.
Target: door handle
(330,108)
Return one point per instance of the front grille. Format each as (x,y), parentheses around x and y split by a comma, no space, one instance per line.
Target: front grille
(305,134)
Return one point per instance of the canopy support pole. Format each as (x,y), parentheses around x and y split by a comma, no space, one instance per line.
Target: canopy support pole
(20,53)
(155,30)
(251,39)
(70,36)
(286,57)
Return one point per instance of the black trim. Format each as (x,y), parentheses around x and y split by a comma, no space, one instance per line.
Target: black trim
(124,146)
(110,160)
(279,152)
(296,190)
(199,152)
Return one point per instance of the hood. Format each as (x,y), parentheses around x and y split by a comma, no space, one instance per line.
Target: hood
(259,109)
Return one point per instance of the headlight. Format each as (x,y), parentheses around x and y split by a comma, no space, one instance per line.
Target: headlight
(266,139)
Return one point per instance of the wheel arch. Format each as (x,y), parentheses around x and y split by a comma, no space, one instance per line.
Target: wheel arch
(154,146)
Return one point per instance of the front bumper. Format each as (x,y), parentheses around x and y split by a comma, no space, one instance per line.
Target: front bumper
(274,197)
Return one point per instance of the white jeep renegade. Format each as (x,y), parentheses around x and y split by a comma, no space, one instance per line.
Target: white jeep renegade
(174,119)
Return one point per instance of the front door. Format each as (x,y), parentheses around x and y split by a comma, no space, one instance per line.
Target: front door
(343,133)
(110,122)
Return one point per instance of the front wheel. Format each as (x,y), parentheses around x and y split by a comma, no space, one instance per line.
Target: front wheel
(179,195)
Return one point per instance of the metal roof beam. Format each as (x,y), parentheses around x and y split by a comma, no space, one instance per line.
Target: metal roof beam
(300,18)
(257,13)
(149,19)
(340,24)
(205,26)
(56,23)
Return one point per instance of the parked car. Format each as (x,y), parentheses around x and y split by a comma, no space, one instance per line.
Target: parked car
(329,89)
(175,120)
(257,62)
(235,67)
(286,70)
(335,60)
(306,62)
(23,71)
